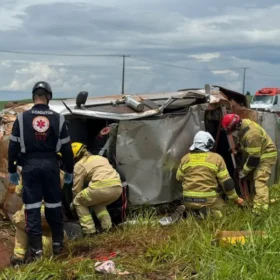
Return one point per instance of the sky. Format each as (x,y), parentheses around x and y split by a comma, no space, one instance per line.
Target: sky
(171,45)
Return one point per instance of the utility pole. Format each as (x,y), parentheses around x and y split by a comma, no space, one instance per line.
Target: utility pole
(244,79)
(123,71)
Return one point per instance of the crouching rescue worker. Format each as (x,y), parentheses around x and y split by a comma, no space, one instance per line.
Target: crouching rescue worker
(37,135)
(103,188)
(200,172)
(261,155)
(21,240)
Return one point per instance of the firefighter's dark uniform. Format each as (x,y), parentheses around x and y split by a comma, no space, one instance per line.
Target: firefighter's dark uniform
(38,134)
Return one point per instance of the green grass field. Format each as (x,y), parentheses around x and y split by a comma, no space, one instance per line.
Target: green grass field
(181,251)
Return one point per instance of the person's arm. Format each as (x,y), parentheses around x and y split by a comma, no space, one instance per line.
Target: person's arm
(252,145)
(66,150)
(79,179)
(225,180)
(180,174)
(14,148)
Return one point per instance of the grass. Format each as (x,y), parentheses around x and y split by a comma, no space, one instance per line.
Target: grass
(182,251)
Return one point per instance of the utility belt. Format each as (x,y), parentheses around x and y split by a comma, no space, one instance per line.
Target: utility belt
(31,155)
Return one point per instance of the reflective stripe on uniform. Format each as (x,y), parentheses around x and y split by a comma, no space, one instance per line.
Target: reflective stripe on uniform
(86,218)
(106,183)
(14,138)
(232,196)
(199,194)
(20,122)
(61,123)
(19,251)
(253,150)
(102,214)
(260,206)
(53,205)
(65,140)
(203,163)
(222,174)
(180,172)
(246,168)
(269,155)
(33,205)
(84,193)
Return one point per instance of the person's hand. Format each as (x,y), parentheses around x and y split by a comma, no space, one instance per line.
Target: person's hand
(14,178)
(68,178)
(240,202)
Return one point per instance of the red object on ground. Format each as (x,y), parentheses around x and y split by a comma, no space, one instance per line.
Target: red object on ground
(107,258)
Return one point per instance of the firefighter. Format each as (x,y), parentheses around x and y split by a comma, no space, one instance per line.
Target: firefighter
(261,155)
(200,172)
(21,239)
(103,187)
(37,135)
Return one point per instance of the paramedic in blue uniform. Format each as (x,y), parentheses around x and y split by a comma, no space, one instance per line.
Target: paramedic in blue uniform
(37,135)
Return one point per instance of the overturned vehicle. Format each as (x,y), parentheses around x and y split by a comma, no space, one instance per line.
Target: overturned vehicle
(144,137)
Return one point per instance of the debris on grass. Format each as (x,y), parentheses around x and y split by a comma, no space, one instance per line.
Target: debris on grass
(108,267)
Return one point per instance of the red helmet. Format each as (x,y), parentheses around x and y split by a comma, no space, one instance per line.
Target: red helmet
(230,122)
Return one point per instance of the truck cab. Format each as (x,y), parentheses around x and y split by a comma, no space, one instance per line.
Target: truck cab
(266,99)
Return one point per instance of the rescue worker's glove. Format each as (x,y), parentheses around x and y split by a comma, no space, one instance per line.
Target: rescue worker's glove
(68,178)
(241,175)
(14,178)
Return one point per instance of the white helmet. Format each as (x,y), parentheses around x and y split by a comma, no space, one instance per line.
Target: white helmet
(203,141)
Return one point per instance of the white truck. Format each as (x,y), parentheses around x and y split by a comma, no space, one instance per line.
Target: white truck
(266,99)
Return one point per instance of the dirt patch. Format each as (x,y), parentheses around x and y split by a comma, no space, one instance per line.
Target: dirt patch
(6,245)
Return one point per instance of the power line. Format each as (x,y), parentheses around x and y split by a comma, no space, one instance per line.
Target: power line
(263,74)
(61,54)
(182,67)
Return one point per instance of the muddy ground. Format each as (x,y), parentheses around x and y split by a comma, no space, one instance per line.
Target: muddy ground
(7,235)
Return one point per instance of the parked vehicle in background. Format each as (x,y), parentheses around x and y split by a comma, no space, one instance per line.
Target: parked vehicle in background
(266,99)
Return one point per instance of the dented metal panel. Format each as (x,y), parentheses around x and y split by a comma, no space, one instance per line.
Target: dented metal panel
(149,153)
(269,122)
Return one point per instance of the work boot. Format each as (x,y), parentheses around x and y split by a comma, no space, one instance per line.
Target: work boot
(15,261)
(166,221)
(57,249)
(33,255)
(178,213)
(35,247)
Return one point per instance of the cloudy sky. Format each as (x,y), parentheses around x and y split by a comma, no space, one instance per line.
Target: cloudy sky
(172,44)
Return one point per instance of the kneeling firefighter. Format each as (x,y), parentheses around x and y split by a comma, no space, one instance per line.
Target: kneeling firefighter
(21,238)
(200,172)
(103,188)
(261,155)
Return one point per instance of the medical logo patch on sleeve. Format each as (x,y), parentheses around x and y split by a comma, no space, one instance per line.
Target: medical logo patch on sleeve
(41,124)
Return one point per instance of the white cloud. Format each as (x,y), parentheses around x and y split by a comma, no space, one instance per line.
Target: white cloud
(224,36)
(205,57)
(226,73)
